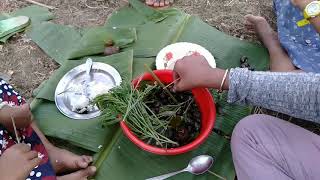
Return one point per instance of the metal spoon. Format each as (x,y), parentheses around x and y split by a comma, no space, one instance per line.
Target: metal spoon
(197,165)
(88,76)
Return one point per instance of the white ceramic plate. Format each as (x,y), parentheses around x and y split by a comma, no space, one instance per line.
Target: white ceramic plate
(168,56)
(72,84)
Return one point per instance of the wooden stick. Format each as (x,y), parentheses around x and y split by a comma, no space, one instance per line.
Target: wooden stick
(172,83)
(15,129)
(40,4)
(161,84)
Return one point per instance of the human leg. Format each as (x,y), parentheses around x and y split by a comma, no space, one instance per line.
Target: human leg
(279,60)
(265,147)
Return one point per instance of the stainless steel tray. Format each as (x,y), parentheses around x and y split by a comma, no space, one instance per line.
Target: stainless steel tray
(73,83)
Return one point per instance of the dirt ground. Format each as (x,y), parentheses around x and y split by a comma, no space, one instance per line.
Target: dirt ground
(28,66)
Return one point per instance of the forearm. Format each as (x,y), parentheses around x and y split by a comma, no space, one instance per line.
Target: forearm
(295,94)
(316,23)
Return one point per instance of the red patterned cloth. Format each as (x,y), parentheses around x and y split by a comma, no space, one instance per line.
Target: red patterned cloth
(45,170)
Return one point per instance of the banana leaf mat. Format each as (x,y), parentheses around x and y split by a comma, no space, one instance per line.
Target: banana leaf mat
(86,134)
(141,32)
(37,15)
(66,43)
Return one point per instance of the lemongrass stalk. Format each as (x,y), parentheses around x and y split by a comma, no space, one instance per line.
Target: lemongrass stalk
(161,84)
(149,128)
(153,114)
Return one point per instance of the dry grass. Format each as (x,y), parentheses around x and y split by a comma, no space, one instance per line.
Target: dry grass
(24,61)
(228,15)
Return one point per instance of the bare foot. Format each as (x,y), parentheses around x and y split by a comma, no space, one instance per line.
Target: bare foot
(279,59)
(65,161)
(159,3)
(259,25)
(79,175)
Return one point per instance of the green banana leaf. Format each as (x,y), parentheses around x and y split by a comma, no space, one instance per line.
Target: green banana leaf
(121,61)
(5,38)
(228,115)
(37,15)
(119,158)
(227,51)
(150,13)
(138,65)
(128,16)
(55,40)
(88,134)
(125,161)
(66,42)
(11,25)
(94,39)
(152,37)
(181,27)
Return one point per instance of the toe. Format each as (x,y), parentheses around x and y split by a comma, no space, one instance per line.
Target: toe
(79,175)
(150,2)
(249,16)
(251,32)
(90,171)
(249,26)
(156,3)
(87,159)
(255,19)
(250,19)
(162,3)
(82,163)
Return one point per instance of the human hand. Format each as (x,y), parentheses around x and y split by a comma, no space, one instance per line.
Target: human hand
(17,162)
(194,71)
(301,3)
(21,114)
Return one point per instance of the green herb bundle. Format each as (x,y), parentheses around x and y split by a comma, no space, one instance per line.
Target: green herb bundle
(156,116)
(127,103)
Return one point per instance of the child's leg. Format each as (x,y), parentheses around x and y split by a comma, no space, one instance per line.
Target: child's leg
(279,60)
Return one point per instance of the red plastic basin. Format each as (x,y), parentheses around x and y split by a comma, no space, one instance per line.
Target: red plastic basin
(208,115)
